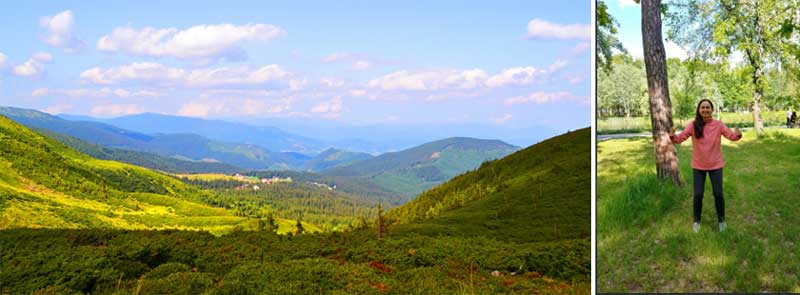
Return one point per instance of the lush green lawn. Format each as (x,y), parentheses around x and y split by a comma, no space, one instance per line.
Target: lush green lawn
(642,124)
(645,241)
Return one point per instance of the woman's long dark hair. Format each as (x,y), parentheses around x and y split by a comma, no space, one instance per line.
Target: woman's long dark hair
(699,123)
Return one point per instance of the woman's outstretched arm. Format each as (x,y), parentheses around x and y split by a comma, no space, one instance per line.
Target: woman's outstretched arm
(685,134)
(732,135)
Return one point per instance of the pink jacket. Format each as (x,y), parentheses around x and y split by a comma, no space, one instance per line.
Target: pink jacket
(707,151)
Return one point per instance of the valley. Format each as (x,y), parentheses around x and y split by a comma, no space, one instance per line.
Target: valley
(215,229)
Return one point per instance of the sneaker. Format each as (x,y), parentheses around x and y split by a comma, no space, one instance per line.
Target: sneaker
(696,227)
(722,226)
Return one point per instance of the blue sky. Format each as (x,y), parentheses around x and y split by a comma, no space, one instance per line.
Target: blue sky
(506,64)
(629,16)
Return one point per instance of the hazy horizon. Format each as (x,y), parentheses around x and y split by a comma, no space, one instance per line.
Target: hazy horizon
(508,66)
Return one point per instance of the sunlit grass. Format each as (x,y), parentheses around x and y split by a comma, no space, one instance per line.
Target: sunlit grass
(647,246)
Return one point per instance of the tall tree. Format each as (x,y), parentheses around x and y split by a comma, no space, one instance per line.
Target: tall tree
(763,31)
(658,90)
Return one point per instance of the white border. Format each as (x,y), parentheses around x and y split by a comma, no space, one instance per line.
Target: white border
(593,102)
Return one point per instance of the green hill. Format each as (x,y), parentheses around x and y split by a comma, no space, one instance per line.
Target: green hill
(411,171)
(541,193)
(332,158)
(46,184)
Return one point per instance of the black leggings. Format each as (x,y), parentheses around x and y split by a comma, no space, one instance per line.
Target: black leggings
(699,187)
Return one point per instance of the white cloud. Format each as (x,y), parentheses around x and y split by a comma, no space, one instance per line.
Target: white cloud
(358,92)
(332,82)
(502,120)
(57,109)
(361,65)
(139,72)
(626,3)
(38,92)
(235,76)
(575,79)
(538,98)
(59,31)
(160,74)
(234,106)
(332,107)
(29,68)
(430,80)
(197,109)
(542,29)
(34,65)
(95,93)
(557,65)
(3,59)
(580,48)
(517,76)
(297,84)
(255,107)
(202,41)
(116,109)
(42,57)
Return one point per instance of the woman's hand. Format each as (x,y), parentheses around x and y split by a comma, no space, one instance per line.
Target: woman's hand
(672,132)
(737,131)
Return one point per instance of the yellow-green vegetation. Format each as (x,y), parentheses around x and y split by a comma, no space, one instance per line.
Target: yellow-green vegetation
(644,227)
(45,184)
(217,176)
(642,124)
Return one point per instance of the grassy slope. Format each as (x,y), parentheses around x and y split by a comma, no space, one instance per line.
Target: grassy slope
(644,235)
(540,193)
(44,183)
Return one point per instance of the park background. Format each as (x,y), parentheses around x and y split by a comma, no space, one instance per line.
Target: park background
(739,54)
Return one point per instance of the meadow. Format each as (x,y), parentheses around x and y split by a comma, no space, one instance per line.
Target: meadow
(616,125)
(645,241)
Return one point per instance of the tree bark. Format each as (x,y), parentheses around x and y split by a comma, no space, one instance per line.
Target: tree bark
(658,90)
(758,89)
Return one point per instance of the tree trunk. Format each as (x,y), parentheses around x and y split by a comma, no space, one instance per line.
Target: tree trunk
(658,90)
(758,89)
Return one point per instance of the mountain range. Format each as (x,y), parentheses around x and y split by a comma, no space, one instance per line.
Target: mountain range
(395,175)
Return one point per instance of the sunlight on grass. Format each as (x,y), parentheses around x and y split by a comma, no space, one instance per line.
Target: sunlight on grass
(644,249)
